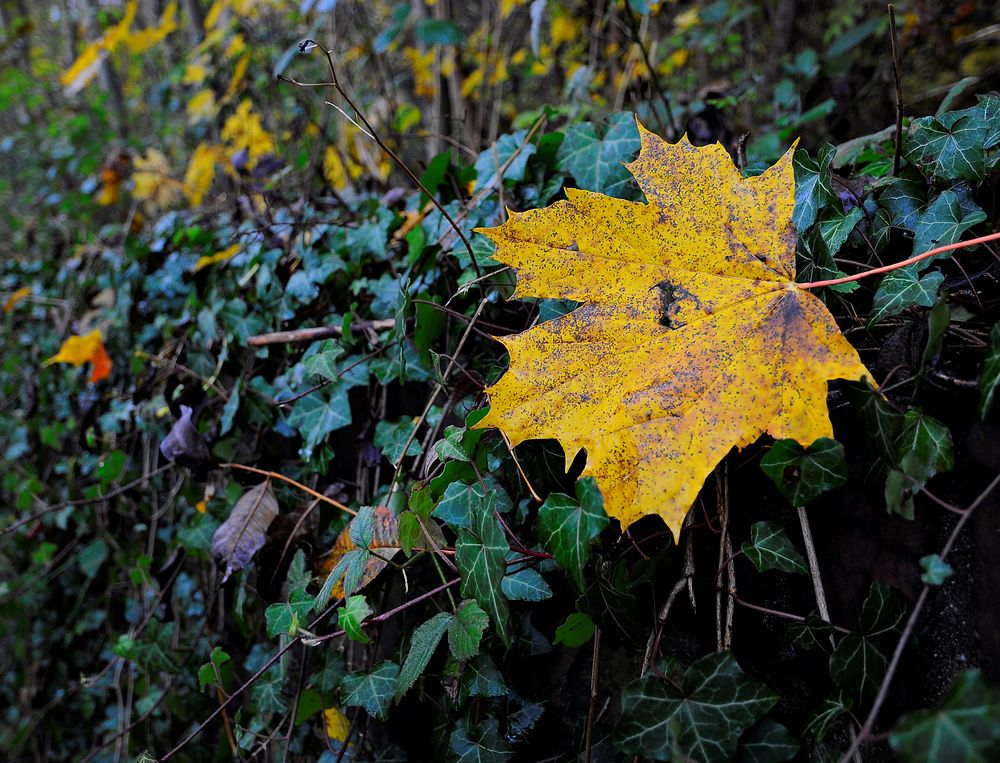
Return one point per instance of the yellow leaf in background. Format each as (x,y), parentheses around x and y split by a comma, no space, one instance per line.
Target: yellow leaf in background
(201,107)
(195,72)
(236,46)
(687,20)
(202,506)
(88,348)
(692,338)
(519,56)
(239,72)
(110,187)
(140,42)
(221,256)
(507,7)
(678,58)
(338,725)
(243,131)
(201,172)
(471,83)
(83,70)
(423,74)
(152,181)
(117,33)
(14,298)
(334,170)
(565,28)
(214,14)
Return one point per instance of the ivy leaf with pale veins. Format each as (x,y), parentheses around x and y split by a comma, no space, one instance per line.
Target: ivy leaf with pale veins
(770,548)
(371,691)
(802,474)
(767,742)
(285,619)
(243,533)
(481,555)
(859,662)
(703,719)
(462,501)
(566,526)
(478,744)
(813,185)
(692,337)
(596,161)
(904,288)
(352,615)
(324,361)
(318,414)
(964,729)
(489,162)
(948,147)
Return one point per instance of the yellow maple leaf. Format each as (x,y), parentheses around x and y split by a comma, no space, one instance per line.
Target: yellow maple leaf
(201,106)
(88,348)
(693,336)
(338,725)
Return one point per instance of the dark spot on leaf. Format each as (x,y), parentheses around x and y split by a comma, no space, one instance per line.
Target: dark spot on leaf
(791,475)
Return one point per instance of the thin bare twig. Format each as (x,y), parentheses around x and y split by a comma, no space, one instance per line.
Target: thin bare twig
(897,76)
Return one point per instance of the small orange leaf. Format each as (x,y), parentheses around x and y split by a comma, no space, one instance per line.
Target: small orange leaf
(14,298)
(88,348)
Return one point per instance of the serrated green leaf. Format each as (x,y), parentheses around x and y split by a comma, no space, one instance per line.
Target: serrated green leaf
(767,742)
(576,631)
(964,729)
(372,691)
(423,643)
(990,376)
(567,526)
(351,615)
(466,630)
(770,548)
(901,289)
(478,744)
(481,555)
(702,720)
(802,474)
(596,160)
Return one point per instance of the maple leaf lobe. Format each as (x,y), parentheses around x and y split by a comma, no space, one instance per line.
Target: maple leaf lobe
(692,337)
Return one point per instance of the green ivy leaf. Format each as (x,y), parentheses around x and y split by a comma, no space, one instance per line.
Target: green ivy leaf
(284,619)
(230,409)
(990,376)
(901,289)
(827,714)
(942,223)
(372,691)
(392,437)
(903,198)
(596,160)
(478,744)
(567,526)
(481,679)
(431,31)
(466,630)
(576,631)
(767,742)
(267,692)
(836,227)
(481,555)
(423,643)
(770,548)
(703,720)
(488,162)
(948,147)
(859,662)
(351,615)
(525,584)
(802,474)
(210,673)
(462,501)
(924,446)
(318,414)
(964,729)
(324,361)
(813,185)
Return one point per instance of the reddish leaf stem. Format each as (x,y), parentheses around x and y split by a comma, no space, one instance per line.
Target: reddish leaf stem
(903,264)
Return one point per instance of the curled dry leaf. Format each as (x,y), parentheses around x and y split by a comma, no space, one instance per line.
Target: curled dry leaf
(693,336)
(245,530)
(184,443)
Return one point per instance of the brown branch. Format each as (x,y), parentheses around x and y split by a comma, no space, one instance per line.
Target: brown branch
(897,76)
(318,332)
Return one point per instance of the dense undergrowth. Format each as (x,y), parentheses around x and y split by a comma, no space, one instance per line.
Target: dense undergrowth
(171,193)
